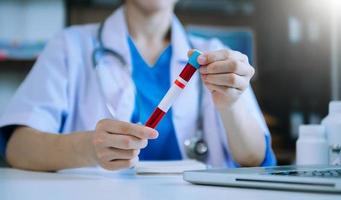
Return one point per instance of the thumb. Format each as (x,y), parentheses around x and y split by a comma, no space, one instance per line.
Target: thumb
(190,52)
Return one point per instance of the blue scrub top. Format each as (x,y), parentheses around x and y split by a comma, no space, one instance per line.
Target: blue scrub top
(152,83)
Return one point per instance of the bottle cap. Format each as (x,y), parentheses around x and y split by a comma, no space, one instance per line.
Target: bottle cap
(312,131)
(335,107)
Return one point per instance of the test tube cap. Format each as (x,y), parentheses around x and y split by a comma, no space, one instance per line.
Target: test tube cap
(193,60)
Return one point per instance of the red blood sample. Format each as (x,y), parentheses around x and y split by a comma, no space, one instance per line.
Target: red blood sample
(155,118)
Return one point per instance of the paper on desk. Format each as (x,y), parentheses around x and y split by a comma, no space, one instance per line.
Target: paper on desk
(168,167)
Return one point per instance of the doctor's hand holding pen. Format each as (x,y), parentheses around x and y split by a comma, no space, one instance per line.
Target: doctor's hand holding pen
(113,145)
(117,144)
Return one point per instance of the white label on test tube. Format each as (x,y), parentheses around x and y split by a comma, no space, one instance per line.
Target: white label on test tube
(170,97)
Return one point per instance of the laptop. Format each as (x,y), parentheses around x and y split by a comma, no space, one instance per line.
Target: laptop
(298,178)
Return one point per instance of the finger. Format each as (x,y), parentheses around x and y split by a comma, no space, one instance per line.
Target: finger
(109,154)
(223,54)
(119,127)
(229,80)
(190,52)
(228,91)
(120,164)
(239,56)
(124,141)
(227,66)
(213,56)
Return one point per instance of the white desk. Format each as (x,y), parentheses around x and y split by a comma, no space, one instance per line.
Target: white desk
(96,184)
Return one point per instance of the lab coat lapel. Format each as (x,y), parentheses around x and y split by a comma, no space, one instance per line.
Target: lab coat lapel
(120,86)
(184,109)
(115,35)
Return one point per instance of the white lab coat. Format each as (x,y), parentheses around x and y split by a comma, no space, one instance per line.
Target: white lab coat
(61,94)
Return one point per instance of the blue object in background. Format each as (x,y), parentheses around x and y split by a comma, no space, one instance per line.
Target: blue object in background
(20,50)
(239,39)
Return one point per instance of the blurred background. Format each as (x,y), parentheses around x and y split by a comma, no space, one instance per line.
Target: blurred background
(295,46)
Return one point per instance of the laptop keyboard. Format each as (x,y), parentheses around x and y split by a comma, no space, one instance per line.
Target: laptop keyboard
(332,173)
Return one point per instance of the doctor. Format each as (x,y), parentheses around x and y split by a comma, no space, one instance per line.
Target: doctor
(59,117)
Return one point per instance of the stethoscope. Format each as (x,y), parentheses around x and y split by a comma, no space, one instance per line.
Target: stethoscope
(195,147)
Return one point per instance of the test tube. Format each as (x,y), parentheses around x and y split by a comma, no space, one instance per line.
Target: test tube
(175,90)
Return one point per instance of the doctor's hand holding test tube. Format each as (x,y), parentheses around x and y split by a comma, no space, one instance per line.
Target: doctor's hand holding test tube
(146,37)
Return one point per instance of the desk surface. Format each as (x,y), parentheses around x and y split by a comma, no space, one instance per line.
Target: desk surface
(99,184)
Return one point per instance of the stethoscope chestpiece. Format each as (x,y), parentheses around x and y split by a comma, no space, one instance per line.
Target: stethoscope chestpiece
(196,148)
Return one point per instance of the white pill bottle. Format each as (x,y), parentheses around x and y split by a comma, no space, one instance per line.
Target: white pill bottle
(311,146)
(332,123)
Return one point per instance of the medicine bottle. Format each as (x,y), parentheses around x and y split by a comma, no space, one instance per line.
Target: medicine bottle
(332,124)
(311,146)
